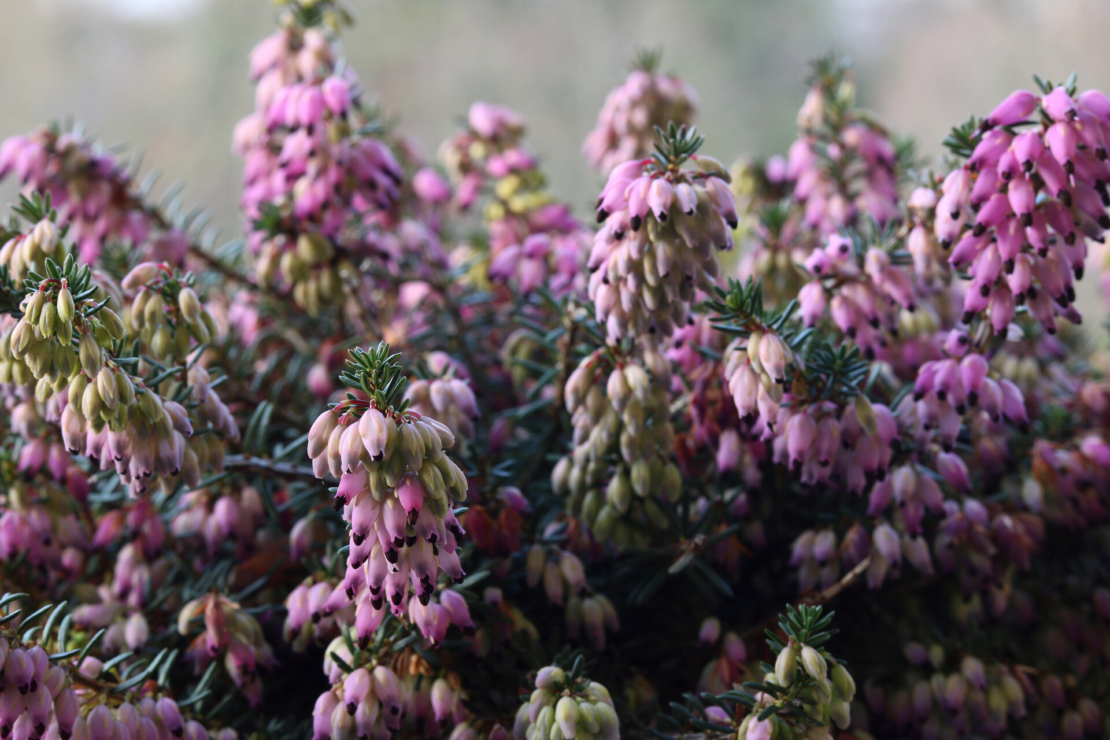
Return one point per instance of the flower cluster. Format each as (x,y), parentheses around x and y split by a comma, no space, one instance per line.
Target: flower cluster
(830,689)
(395,484)
(873,298)
(166,313)
(622,436)
(533,239)
(566,704)
(373,698)
(843,164)
(655,250)
(216,517)
(973,696)
(626,124)
(47,695)
(1018,213)
(313,179)
(564,580)
(96,198)
(446,397)
(233,632)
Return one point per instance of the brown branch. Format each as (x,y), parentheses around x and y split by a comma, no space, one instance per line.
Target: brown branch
(849,578)
(821,597)
(262,466)
(90,683)
(195,249)
(223,268)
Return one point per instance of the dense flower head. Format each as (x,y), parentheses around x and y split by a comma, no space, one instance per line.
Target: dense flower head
(619,467)
(1017,215)
(229,631)
(840,174)
(566,705)
(533,238)
(843,164)
(626,124)
(46,695)
(662,225)
(395,487)
(95,196)
(313,180)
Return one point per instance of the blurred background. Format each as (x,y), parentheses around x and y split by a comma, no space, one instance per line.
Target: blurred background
(171,75)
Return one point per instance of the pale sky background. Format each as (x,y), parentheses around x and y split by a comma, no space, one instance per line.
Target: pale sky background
(170,75)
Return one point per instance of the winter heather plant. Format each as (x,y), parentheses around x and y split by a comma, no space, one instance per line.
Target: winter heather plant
(426,454)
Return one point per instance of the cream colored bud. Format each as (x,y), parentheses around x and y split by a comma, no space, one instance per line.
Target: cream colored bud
(561,476)
(65,305)
(841,713)
(638,382)
(641,477)
(153,310)
(814,663)
(162,341)
(90,354)
(34,306)
(786,665)
(189,305)
(754,341)
(47,318)
(843,681)
(619,493)
(672,482)
(618,390)
(209,322)
(199,332)
(566,715)
(45,236)
(138,308)
(111,322)
(106,386)
(293,268)
(91,403)
(125,388)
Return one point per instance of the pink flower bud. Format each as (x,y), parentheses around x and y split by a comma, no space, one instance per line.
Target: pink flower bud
(1002,308)
(887,543)
(1061,141)
(19,670)
(170,716)
(710,631)
(734,648)
(469,189)
(760,729)
(1014,109)
(1013,403)
(728,450)
(443,697)
(800,432)
(687,198)
(1058,105)
(659,198)
(430,186)
(100,723)
(321,715)
(355,686)
(954,471)
(336,95)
